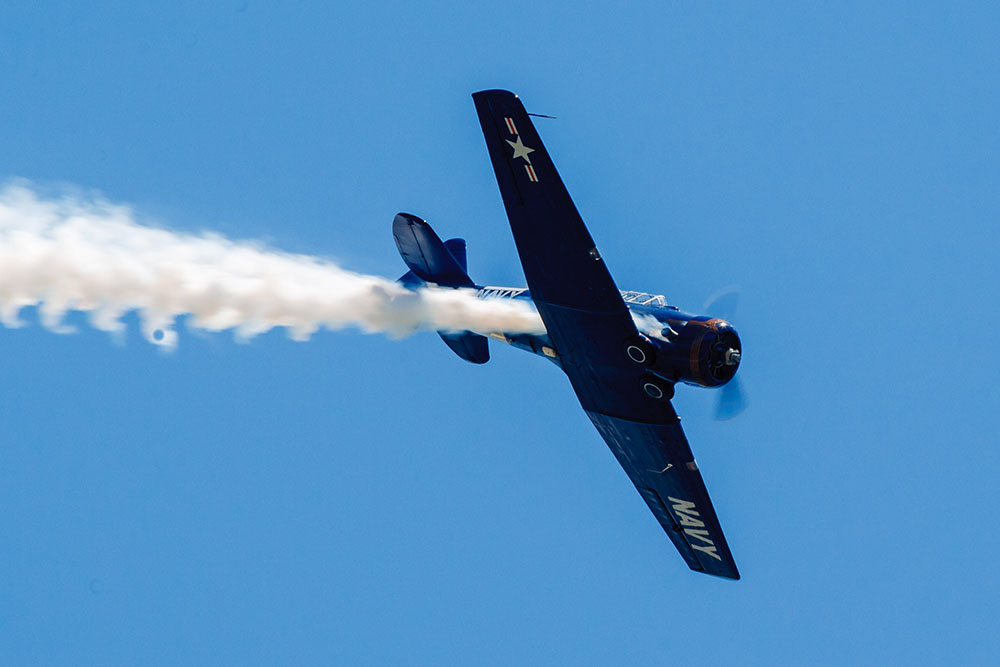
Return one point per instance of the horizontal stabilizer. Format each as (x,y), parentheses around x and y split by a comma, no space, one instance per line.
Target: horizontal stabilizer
(426,255)
(410,280)
(471,347)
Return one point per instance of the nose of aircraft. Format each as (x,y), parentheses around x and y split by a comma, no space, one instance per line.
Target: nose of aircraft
(731,400)
(726,353)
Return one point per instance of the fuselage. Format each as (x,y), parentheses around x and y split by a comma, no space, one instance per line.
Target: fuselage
(695,349)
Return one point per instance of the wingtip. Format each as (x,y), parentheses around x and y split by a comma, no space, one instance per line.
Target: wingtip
(493,92)
(733,575)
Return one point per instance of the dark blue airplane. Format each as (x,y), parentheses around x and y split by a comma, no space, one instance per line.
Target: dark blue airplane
(623,377)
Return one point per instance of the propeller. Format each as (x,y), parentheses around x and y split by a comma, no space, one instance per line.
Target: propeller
(731,399)
(723,303)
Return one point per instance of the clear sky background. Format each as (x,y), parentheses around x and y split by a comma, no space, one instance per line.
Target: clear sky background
(360,500)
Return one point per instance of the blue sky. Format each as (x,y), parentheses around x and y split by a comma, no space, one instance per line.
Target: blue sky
(359,500)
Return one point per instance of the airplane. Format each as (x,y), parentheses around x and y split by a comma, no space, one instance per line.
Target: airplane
(624,376)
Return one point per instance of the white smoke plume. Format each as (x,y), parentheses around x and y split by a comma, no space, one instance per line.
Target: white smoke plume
(83,253)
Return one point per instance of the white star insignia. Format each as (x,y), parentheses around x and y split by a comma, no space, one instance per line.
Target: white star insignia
(520,150)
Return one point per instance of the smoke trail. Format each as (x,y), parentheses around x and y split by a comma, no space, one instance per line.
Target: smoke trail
(77,253)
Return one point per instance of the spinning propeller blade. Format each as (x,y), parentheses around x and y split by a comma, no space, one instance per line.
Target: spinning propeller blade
(731,400)
(723,303)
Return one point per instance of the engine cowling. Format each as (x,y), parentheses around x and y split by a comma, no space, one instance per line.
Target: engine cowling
(701,351)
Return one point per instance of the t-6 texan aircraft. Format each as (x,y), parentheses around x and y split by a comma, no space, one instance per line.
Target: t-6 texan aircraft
(623,378)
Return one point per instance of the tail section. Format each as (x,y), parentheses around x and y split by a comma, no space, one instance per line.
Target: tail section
(440,263)
(457,249)
(428,258)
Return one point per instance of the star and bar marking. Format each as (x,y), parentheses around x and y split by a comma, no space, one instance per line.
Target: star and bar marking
(520,150)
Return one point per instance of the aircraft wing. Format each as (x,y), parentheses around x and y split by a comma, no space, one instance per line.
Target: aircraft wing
(559,257)
(570,285)
(659,462)
(589,325)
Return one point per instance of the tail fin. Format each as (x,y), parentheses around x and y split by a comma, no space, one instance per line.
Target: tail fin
(457,249)
(444,264)
(428,258)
